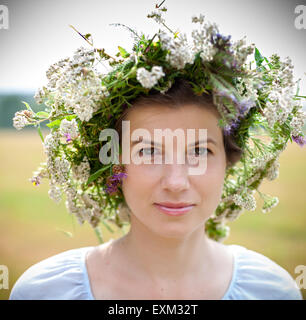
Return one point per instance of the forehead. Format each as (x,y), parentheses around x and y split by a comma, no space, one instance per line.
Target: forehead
(183,117)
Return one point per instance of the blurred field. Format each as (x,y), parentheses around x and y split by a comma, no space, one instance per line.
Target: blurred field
(33,227)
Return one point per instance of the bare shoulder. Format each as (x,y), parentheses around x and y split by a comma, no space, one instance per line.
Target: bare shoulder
(104,272)
(99,259)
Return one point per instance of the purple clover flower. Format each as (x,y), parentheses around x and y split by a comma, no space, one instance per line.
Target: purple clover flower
(118,176)
(115,181)
(230,128)
(221,42)
(227,130)
(244,106)
(301,141)
(111,189)
(68,137)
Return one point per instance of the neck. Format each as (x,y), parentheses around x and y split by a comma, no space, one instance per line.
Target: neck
(167,258)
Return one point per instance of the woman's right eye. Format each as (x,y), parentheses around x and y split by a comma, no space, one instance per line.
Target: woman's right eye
(146,153)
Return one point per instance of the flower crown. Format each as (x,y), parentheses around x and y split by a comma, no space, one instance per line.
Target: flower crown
(257,100)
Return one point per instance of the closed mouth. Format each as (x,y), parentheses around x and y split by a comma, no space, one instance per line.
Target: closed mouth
(175,205)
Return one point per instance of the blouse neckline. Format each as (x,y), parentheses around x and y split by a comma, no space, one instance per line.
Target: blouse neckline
(225,296)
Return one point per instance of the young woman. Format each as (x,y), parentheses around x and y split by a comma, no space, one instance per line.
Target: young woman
(166,253)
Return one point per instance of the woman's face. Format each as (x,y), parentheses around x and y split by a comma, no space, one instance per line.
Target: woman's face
(148,184)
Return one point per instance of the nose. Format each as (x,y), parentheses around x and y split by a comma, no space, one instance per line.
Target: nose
(175,177)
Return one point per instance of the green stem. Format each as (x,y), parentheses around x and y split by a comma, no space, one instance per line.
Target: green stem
(168,28)
(99,234)
(40,133)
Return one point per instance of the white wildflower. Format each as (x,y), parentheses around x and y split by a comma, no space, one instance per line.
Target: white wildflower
(273,171)
(50,143)
(280,106)
(74,85)
(179,52)
(260,162)
(40,173)
(82,172)
(248,88)
(124,213)
(157,72)
(22,118)
(253,179)
(297,122)
(85,214)
(270,113)
(55,193)
(233,214)
(247,201)
(72,204)
(199,19)
(69,127)
(89,201)
(40,94)
(157,15)
(61,170)
(84,112)
(241,51)
(202,39)
(149,79)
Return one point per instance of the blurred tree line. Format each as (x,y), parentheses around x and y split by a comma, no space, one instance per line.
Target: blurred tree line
(11,103)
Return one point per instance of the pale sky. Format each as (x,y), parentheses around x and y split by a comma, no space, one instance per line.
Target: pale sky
(39,33)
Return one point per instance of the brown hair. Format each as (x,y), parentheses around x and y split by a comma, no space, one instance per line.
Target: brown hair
(179,94)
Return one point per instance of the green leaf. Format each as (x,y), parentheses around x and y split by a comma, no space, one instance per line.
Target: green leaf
(258,58)
(123,52)
(43,114)
(95,175)
(70,117)
(54,124)
(67,233)
(27,105)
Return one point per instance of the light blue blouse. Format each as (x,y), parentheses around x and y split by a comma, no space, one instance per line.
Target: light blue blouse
(64,277)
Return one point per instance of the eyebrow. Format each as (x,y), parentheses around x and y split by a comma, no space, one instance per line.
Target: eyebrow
(158,144)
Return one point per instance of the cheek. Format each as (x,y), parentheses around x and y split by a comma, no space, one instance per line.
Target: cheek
(138,184)
(211,183)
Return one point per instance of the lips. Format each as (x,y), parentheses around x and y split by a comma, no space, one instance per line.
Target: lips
(175,205)
(177,209)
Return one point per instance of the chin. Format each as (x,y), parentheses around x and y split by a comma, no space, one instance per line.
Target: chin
(174,229)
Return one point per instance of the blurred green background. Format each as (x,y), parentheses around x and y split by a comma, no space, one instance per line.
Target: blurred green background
(33,227)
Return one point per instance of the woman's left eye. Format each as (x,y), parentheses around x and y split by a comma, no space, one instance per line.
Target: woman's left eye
(202,152)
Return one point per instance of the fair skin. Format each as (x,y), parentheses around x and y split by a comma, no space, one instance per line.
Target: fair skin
(166,257)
